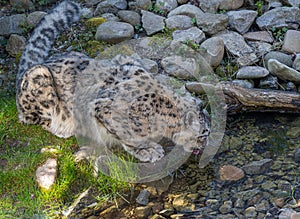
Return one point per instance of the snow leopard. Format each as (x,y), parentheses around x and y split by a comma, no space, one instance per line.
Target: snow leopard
(126,102)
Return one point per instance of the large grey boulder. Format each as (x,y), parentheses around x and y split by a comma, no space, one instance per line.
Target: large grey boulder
(35,17)
(251,72)
(166,5)
(296,63)
(212,23)
(212,50)
(230,4)
(241,20)
(279,56)
(15,44)
(236,45)
(283,72)
(114,32)
(181,22)
(152,23)
(193,35)
(279,17)
(130,17)
(181,67)
(188,10)
(264,36)
(110,6)
(11,24)
(291,42)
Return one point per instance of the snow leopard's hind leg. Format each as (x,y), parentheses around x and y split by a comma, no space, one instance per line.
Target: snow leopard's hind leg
(38,103)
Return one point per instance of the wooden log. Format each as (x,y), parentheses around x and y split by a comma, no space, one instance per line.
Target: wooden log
(240,99)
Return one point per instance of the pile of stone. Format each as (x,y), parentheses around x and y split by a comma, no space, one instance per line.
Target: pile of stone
(249,34)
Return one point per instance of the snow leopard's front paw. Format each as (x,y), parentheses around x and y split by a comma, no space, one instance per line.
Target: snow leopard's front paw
(150,152)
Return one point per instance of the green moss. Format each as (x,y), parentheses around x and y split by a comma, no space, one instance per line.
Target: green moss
(93,47)
(113,50)
(94,22)
(18,57)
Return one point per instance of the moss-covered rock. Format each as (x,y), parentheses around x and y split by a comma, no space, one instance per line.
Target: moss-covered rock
(94,22)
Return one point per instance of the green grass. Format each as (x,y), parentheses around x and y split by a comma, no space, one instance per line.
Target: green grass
(20,155)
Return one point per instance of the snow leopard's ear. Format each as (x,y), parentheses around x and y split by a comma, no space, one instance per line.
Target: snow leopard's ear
(191,120)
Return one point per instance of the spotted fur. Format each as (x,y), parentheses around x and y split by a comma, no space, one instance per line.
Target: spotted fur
(69,92)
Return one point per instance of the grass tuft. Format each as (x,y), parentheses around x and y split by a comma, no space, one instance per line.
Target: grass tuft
(20,156)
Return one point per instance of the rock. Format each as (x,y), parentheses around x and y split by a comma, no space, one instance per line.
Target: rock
(152,23)
(243,83)
(290,86)
(214,204)
(282,71)
(274,4)
(280,57)
(250,212)
(11,24)
(15,44)
(110,17)
(166,5)
(268,186)
(35,17)
(241,20)
(181,22)
(182,1)
(246,194)
(212,23)
(130,17)
(264,36)
(230,4)
(258,167)
(291,42)
(236,45)
(90,3)
(296,63)
(193,35)
(279,17)
(210,6)
(182,204)
(293,132)
(110,6)
(263,206)
(180,67)
(143,4)
(269,82)
(46,174)
(157,216)
(293,3)
(188,10)
(142,212)
(295,215)
(279,202)
(239,203)
(22,4)
(150,65)
(212,50)
(260,48)
(195,87)
(226,207)
(167,212)
(177,216)
(231,173)
(251,72)
(286,213)
(143,197)
(283,185)
(114,32)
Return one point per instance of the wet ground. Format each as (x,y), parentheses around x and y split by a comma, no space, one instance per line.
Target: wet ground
(263,146)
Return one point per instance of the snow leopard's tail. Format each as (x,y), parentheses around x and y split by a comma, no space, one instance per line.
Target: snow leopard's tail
(43,36)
